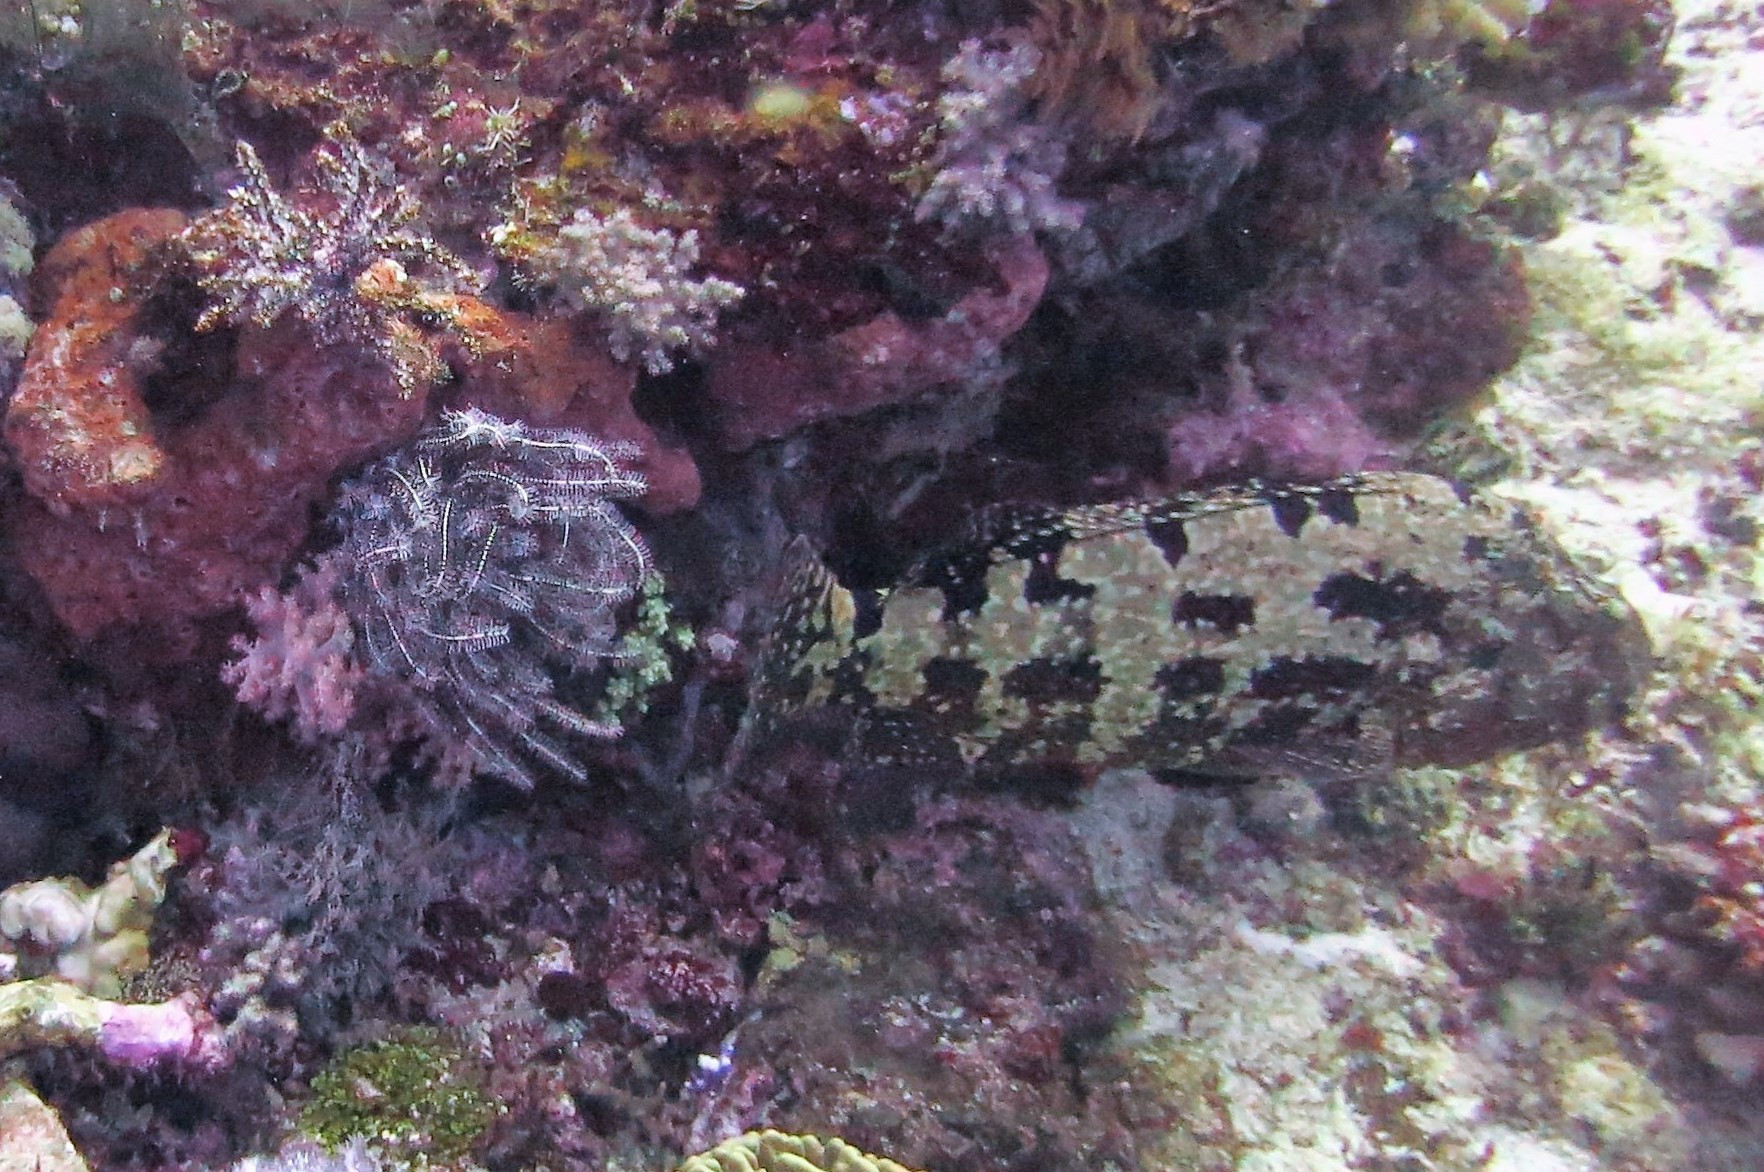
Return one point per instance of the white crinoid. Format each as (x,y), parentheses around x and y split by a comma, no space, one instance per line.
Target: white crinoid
(492,562)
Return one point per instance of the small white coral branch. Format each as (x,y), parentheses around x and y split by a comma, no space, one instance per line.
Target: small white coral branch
(637,279)
(995,164)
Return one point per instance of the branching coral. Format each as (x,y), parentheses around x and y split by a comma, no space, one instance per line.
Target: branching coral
(995,166)
(300,666)
(637,279)
(340,258)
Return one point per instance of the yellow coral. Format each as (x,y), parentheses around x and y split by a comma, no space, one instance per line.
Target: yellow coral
(773,1151)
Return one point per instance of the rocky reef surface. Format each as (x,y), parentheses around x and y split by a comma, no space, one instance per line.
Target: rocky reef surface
(414,410)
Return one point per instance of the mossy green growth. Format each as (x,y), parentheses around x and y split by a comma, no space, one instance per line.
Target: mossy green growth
(415,1098)
(1404,810)
(645,655)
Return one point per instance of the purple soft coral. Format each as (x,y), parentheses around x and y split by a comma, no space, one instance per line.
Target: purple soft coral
(300,666)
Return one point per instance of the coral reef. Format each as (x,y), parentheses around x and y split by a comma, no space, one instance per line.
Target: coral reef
(1629,426)
(99,110)
(154,520)
(314,900)
(945,1005)
(759,1151)
(484,375)
(1298,1012)
(180,459)
(66,953)
(1726,858)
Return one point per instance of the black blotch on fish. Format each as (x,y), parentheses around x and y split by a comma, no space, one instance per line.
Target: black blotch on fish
(1400,604)
(1187,678)
(1322,677)
(1171,539)
(1051,681)
(1227,612)
(867,619)
(1045,585)
(953,685)
(1291,510)
(1337,505)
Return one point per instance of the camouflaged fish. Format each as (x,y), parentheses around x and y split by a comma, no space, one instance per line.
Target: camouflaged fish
(1384,619)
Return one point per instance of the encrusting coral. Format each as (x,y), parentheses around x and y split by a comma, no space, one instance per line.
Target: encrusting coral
(65,950)
(762,393)
(44,1012)
(79,419)
(89,937)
